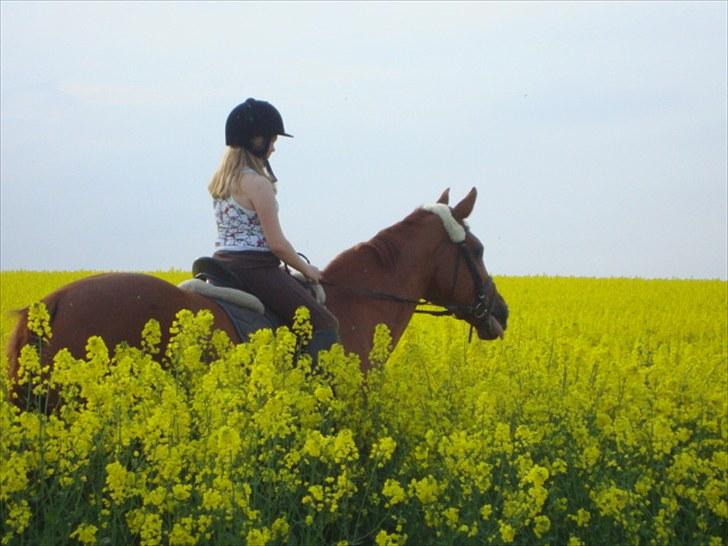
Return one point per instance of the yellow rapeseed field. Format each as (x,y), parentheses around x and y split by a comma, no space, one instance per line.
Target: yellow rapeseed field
(601,419)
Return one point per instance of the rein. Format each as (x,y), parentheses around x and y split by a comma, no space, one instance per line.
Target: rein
(375,295)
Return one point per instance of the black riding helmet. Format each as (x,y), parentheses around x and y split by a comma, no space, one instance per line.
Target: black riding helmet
(253,118)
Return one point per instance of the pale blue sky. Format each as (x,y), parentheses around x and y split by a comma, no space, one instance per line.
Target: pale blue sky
(596,133)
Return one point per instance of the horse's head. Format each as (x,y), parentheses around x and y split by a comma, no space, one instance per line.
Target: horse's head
(460,281)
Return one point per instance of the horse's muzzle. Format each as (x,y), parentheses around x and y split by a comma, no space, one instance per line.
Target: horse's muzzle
(492,325)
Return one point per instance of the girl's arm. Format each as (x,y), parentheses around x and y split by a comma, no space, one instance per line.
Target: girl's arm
(260,193)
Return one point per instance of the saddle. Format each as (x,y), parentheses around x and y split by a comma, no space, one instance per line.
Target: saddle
(214,279)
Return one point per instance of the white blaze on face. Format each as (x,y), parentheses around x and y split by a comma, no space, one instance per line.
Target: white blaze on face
(454,229)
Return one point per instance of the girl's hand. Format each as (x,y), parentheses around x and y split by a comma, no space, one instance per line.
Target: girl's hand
(313,274)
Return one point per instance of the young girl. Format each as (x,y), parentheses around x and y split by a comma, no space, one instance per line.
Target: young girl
(250,239)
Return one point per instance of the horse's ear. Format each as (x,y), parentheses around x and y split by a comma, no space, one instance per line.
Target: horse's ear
(463,209)
(445,197)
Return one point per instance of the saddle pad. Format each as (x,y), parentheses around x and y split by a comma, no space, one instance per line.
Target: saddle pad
(246,321)
(231,295)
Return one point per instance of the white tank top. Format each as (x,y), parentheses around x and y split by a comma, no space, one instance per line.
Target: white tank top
(238,228)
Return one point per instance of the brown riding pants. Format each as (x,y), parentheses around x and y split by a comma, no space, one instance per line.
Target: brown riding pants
(260,273)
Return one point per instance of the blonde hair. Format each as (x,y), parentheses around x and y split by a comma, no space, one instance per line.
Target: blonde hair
(230,171)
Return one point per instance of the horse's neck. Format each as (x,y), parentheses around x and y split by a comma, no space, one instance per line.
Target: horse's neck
(396,262)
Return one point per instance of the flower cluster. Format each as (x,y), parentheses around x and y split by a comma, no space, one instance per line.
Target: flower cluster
(601,419)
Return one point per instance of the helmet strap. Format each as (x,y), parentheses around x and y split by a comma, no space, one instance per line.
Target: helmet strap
(270,170)
(260,152)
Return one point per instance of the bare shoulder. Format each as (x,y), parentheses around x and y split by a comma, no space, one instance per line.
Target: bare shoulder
(256,192)
(255,183)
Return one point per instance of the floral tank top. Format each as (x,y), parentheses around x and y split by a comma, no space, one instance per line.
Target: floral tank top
(238,228)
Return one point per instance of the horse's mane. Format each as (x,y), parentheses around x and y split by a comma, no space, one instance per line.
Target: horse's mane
(387,245)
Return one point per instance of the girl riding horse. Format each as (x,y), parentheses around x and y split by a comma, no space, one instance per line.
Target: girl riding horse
(250,240)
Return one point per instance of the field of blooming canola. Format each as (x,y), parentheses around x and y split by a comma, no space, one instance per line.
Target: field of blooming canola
(600,419)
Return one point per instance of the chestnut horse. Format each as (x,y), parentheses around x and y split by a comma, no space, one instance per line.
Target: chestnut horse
(430,255)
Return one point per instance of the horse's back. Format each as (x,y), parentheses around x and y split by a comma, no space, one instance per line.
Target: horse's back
(116,306)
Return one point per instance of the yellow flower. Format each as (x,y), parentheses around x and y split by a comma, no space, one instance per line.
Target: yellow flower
(426,489)
(258,537)
(13,476)
(151,337)
(582,517)
(559,466)
(714,492)
(280,529)
(323,393)
(147,525)
(182,533)
(302,326)
(381,346)
(181,492)
(590,456)
(29,368)
(39,320)
(394,492)
(383,450)
(507,533)
(384,538)
(19,516)
(541,525)
(538,497)
(344,448)
(502,438)
(486,511)
(316,492)
(85,533)
(452,517)
(227,442)
(212,499)
(313,444)
(537,475)
(611,501)
(117,481)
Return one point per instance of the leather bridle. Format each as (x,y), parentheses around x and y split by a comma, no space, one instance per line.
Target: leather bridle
(485,291)
(485,294)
